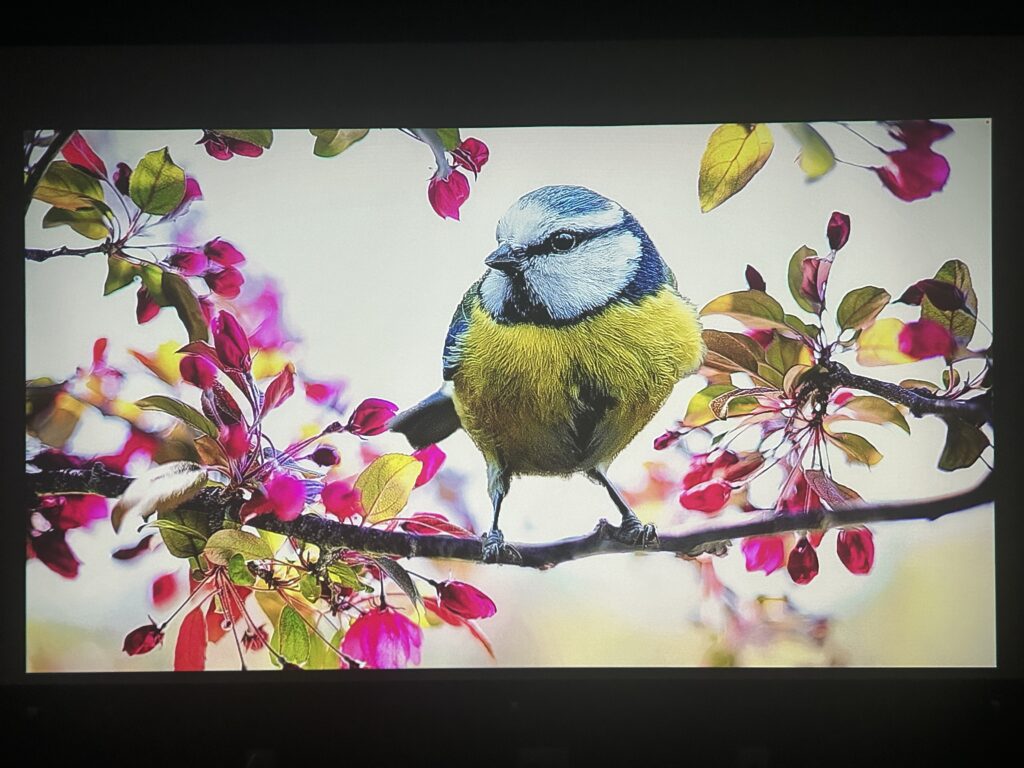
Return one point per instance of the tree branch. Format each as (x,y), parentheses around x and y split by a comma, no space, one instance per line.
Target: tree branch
(976,410)
(59,140)
(328,533)
(41,254)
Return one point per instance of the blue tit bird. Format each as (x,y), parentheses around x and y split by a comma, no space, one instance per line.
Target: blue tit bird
(562,351)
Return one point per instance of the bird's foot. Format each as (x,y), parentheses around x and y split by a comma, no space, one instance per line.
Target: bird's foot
(634,533)
(496,550)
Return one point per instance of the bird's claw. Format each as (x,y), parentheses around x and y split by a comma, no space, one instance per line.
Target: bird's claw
(497,550)
(635,534)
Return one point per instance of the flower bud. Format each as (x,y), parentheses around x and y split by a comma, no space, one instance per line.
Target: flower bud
(803,562)
(230,341)
(465,600)
(197,371)
(856,548)
(325,456)
(143,640)
(371,417)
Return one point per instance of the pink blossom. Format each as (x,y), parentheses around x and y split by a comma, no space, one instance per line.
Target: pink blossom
(227,282)
(371,417)
(224,147)
(192,193)
(666,440)
(914,174)
(471,154)
(708,497)
(280,389)
(222,252)
(446,195)
(325,456)
(815,272)
(943,295)
(234,438)
(145,308)
(842,396)
(384,639)
(803,562)
(287,494)
(916,134)
(197,371)
(189,262)
(432,523)
(163,588)
(122,177)
(838,230)
(341,500)
(230,341)
(465,600)
(143,640)
(432,458)
(926,338)
(54,552)
(764,553)
(856,548)
(763,336)
(324,392)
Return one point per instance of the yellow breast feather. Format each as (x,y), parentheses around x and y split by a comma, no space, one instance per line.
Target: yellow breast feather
(543,399)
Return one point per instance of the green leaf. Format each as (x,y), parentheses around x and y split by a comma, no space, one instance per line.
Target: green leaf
(179,410)
(64,186)
(873,410)
(119,274)
(344,575)
(153,279)
(184,531)
(964,444)
(860,307)
(225,544)
(755,309)
(400,576)
(88,222)
(961,324)
(292,636)
(834,495)
(856,448)
(385,485)
(733,156)
(309,587)
(816,156)
(945,378)
(735,403)
(919,384)
(159,489)
(808,330)
(796,277)
(239,572)
(450,137)
(179,295)
(157,185)
(783,353)
(320,654)
(699,413)
(334,141)
(731,352)
(261,137)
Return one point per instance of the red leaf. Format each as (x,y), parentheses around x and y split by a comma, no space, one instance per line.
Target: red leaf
(78,152)
(280,389)
(190,649)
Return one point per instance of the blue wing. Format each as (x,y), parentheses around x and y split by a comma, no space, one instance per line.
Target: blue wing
(452,355)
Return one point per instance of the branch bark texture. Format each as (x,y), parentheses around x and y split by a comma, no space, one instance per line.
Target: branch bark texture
(329,533)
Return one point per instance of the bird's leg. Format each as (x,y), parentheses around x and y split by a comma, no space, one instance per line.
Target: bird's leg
(495,550)
(632,531)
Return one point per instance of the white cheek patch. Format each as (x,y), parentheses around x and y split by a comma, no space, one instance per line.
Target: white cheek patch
(495,290)
(586,278)
(533,221)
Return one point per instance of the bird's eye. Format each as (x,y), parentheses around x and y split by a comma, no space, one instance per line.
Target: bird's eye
(562,241)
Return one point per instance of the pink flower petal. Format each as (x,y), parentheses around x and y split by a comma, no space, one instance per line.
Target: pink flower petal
(224,253)
(803,562)
(215,146)
(384,639)
(914,174)
(226,283)
(53,551)
(432,458)
(465,600)
(838,230)
(433,523)
(231,342)
(471,154)
(764,553)
(287,494)
(145,308)
(814,278)
(189,262)
(371,417)
(666,440)
(341,500)
(82,510)
(324,392)
(856,548)
(234,439)
(708,497)
(918,134)
(926,338)
(447,195)
(244,148)
(163,589)
(280,389)
(197,371)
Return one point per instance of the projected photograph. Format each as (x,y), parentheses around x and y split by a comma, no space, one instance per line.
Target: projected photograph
(408,398)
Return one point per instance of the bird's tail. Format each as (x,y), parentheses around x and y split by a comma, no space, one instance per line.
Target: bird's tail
(430,421)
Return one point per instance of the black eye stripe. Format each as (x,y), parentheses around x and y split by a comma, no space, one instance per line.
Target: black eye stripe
(582,236)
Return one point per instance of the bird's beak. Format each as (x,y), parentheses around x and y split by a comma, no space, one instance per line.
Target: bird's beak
(506,259)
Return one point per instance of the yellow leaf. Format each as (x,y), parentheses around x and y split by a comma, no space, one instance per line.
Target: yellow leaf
(164,362)
(267,363)
(879,344)
(58,424)
(385,485)
(735,152)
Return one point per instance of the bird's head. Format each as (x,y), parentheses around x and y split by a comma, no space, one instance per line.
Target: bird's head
(563,253)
